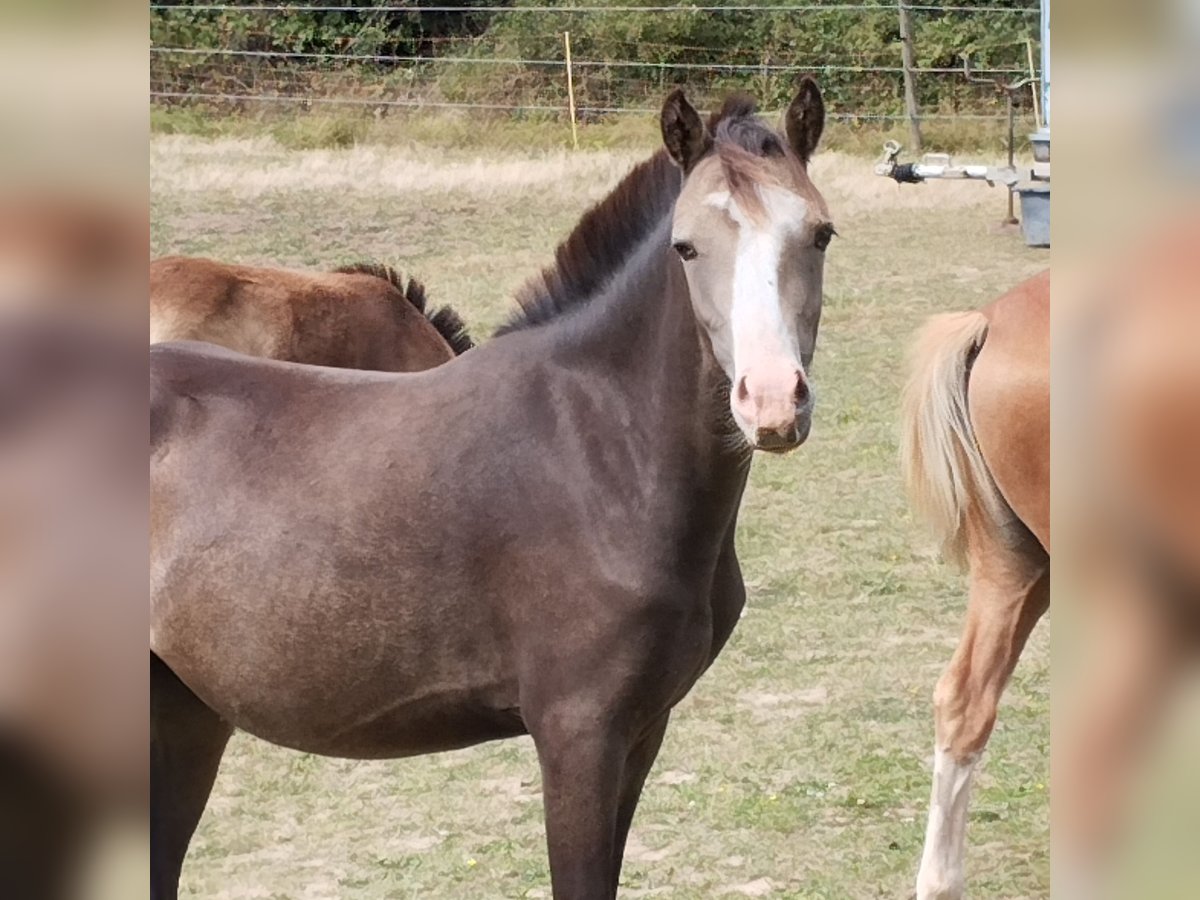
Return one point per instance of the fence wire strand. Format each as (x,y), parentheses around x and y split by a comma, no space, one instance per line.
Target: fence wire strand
(575,63)
(677,8)
(433,104)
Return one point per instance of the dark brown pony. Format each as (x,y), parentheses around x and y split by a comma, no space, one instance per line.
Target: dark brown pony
(537,539)
(362,316)
(977,461)
(74,741)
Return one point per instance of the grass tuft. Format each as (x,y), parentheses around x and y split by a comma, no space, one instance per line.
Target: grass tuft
(321,132)
(474,130)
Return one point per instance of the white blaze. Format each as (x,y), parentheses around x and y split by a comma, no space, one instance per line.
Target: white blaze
(761,332)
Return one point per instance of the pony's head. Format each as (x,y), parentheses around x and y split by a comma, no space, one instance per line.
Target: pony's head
(752,230)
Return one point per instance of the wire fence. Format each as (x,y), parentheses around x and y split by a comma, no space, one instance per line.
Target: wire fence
(512,60)
(551,9)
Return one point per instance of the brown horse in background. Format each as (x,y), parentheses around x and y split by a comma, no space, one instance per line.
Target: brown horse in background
(362,316)
(538,539)
(976,458)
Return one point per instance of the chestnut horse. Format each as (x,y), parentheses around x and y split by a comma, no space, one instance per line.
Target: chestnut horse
(362,316)
(538,539)
(976,458)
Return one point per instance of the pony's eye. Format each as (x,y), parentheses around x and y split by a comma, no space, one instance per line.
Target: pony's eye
(685,249)
(824,235)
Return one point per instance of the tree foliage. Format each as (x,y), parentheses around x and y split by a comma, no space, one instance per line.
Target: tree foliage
(624,58)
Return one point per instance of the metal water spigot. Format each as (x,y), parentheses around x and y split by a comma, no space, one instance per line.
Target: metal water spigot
(890,166)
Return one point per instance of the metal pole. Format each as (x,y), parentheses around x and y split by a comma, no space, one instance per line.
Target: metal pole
(1034,87)
(1046,63)
(1010,93)
(910,89)
(571,91)
(1012,149)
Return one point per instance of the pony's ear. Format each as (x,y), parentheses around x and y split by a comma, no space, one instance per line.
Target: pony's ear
(805,119)
(684,134)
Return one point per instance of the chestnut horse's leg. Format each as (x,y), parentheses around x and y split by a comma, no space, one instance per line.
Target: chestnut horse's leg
(1009,592)
(186,742)
(637,767)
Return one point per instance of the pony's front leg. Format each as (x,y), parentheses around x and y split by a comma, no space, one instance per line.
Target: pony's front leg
(633,779)
(582,762)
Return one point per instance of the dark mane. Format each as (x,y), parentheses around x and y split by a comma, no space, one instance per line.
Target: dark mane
(413,291)
(604,238)
(750,151)
(451,327)
(737,124)
(612,230)
(448,323)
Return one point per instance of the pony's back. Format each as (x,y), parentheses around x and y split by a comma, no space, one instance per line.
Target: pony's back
(362,316)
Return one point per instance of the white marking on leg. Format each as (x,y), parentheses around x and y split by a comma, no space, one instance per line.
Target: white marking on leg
(942,875)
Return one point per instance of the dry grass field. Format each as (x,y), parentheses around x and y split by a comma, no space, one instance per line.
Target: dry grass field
(799,766)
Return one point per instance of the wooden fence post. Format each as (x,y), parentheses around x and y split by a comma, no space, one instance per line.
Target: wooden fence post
(571,91)
(910,89)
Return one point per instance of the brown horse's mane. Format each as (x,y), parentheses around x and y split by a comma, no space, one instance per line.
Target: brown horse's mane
(448,323)
(609,232)
(451,326)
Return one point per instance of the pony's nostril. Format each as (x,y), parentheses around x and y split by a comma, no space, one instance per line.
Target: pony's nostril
(743,392)
(802,393)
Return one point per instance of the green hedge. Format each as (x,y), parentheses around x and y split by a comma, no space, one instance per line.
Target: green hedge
(822,41)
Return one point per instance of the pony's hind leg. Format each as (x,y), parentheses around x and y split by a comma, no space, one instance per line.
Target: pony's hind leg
(1009,592)
(186,742)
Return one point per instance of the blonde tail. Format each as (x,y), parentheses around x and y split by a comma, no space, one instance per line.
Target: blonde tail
(942,466)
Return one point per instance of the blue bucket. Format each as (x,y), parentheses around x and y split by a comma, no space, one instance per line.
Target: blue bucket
(1039,143)
(1035,212)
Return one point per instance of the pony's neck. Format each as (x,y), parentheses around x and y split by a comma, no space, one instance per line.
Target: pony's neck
(641,335)
(616,304)
(600,245)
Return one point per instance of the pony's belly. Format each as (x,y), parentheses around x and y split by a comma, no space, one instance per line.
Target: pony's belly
(367,716)
(394,733)
(342,696)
